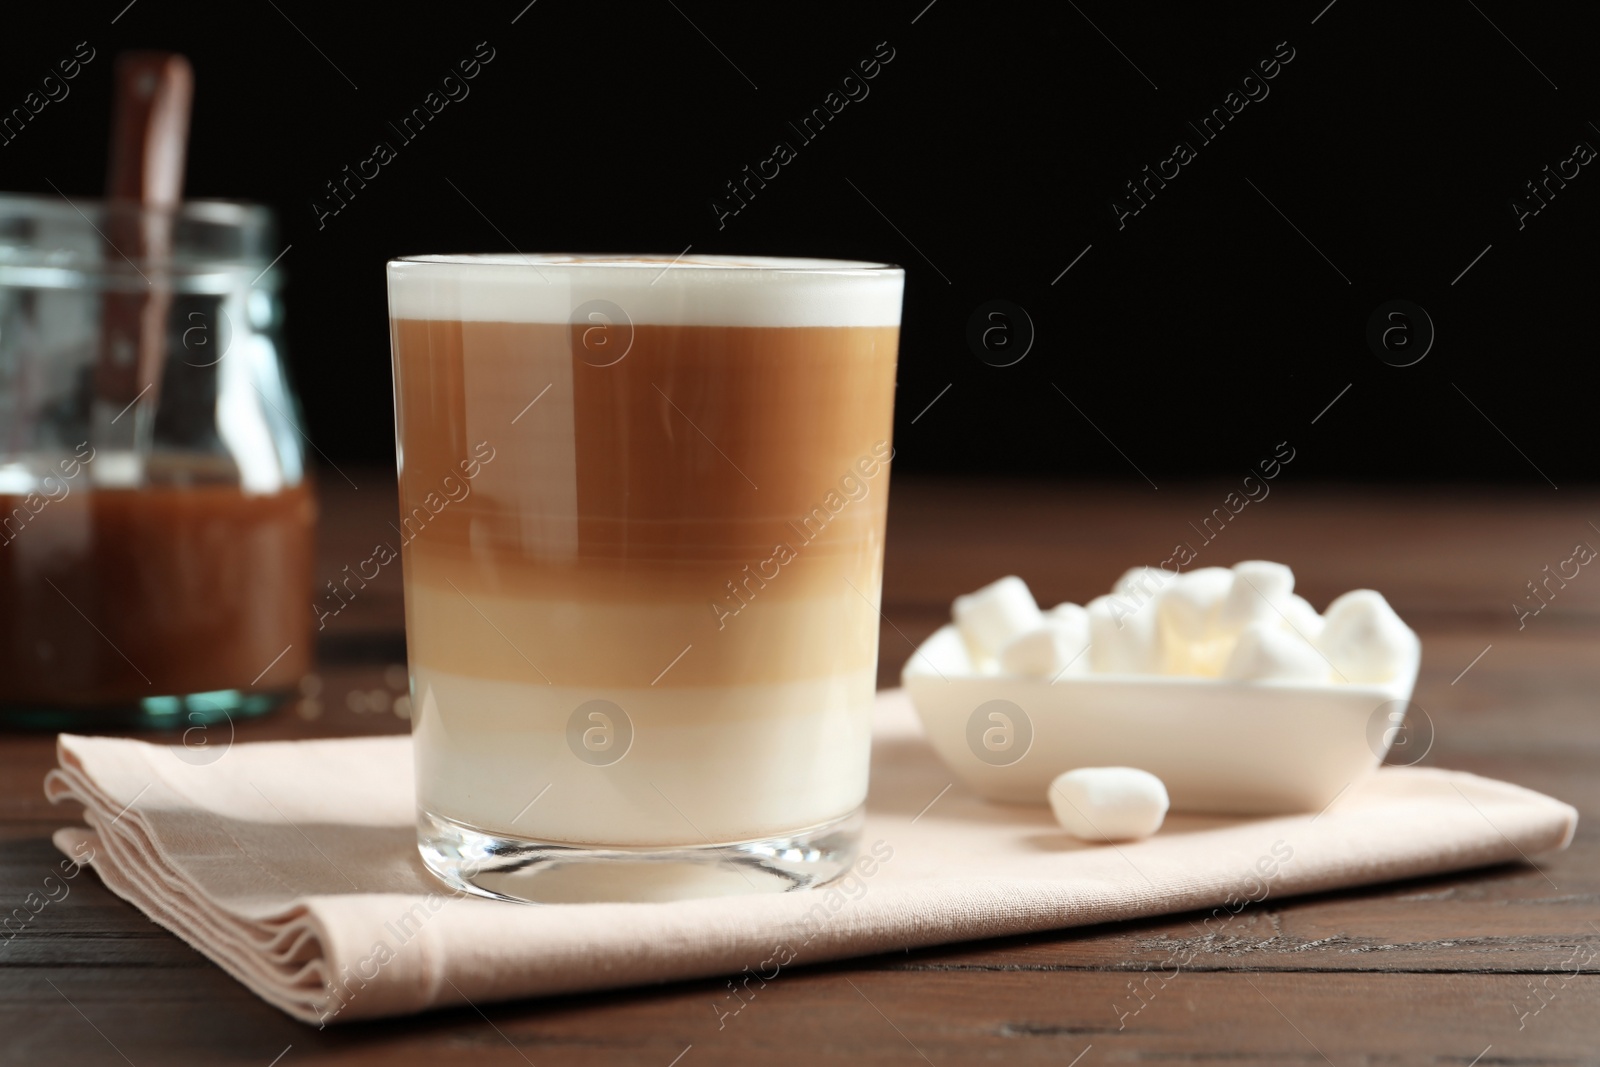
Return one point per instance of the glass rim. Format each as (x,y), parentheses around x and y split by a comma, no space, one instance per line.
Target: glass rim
(217,212)
(53,242)
(655,262)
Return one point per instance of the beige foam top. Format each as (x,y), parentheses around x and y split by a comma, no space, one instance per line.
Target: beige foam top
(660,290)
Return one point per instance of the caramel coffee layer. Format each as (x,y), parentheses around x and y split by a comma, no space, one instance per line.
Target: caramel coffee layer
(577,512)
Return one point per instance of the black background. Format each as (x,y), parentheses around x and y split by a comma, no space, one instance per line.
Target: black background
(985,159)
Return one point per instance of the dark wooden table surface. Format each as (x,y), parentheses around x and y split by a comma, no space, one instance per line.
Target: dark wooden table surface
(1487,967)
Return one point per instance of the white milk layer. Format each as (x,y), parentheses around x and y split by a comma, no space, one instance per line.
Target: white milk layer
(686,766)
(654,290)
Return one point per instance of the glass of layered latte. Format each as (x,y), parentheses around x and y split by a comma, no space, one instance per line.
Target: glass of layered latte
(642,513)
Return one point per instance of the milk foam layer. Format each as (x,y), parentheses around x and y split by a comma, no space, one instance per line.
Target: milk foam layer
(712,764)
(656,290)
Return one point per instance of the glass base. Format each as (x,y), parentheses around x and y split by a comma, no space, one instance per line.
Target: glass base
(182,712)
(542,872)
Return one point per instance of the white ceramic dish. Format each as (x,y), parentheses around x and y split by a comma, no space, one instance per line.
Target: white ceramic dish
(1219,746)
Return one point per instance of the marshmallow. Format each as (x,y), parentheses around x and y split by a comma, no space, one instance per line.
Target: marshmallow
(1056,647)
(1189,609)
(1122,638)
(995,614)
(944,655)
(1139,584)
(1072,614)
(1109,803)
(1365,639)
(1243,623)
(1302,618)
(1188,613)
(1266,652)
(1259,590)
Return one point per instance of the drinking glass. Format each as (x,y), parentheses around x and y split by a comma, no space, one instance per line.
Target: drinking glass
(642,515)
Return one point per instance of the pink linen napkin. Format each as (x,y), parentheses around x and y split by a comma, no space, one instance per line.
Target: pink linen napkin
(294,866)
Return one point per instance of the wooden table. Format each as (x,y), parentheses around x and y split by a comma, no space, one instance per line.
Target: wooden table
(1485,967)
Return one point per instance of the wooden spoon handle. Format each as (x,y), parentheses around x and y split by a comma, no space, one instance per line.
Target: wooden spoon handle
(149,139)
(150,128)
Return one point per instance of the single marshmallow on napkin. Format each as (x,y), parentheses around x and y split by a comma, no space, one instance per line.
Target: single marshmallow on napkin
(1109,803)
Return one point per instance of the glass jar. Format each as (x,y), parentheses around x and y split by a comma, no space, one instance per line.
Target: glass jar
(156,522)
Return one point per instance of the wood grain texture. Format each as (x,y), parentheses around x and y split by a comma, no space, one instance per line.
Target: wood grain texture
(1495,966)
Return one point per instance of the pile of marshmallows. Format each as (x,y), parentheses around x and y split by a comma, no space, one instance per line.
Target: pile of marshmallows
(1243,624)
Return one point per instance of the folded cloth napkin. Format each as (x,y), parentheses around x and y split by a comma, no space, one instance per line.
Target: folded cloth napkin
(294,866)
